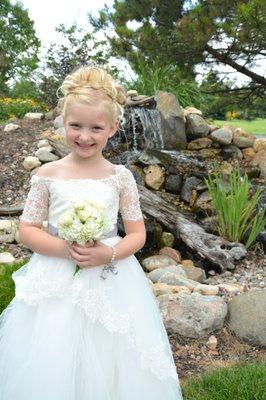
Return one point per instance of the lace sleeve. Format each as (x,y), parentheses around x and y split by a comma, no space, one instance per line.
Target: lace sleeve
(36,205)
(129,205)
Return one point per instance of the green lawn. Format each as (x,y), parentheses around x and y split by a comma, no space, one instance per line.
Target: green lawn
(242,381)
(256,127)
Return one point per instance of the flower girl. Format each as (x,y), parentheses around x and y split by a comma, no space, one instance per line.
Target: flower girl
(84,323)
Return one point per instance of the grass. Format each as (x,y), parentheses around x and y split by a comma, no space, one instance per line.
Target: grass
(242,381)
(255,127)
(7,285)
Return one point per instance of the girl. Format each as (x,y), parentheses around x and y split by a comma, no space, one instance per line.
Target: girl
(68,336)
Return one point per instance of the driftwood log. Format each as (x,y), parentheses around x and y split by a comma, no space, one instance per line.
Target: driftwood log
(215,249)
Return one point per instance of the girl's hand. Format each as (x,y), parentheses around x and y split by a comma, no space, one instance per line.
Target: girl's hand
(90,255)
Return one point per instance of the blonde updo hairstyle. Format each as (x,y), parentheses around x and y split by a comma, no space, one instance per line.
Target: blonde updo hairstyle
(93,86)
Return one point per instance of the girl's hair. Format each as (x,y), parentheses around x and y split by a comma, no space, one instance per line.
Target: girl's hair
(93,86)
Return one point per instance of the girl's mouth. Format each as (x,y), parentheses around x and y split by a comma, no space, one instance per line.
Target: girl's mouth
(83,146)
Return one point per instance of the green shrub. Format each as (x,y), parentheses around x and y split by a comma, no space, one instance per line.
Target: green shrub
(17,107)
(7,285)
(236,208)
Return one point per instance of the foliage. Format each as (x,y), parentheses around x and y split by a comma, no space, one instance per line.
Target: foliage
(245,381)
(7,286)
(187,33)
(236,207)
(18,44)
(10,107)
(151,78)
(79,49)
(26,88)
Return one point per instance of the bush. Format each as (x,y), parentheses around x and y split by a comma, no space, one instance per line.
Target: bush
(236,208)
(18,107)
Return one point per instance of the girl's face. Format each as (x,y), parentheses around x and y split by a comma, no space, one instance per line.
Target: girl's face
(88,128)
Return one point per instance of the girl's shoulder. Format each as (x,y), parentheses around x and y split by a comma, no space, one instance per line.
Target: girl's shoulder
(45,172)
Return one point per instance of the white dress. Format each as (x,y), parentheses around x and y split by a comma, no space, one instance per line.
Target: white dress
(82,337)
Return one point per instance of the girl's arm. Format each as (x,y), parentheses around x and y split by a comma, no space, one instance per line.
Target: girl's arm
(133,222)
(36,239)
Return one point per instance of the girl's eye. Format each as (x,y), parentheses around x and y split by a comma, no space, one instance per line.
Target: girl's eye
(97,128)
(74,125)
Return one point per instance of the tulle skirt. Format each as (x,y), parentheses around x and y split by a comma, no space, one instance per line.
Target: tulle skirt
(81,337)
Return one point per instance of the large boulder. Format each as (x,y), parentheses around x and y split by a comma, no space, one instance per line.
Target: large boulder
(192,315)
(247,316)
(172,121)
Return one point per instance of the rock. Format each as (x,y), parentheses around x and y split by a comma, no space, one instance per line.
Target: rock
(158,262)
(172,278)
(247,316)
(187,263)
(242,139)
(259,144)
(170,252)
(132,93)
(172,121)
(7,231)
(31,162)
(154,177)
(231,287)
(192,316)
(46,134)
(248,152)
(140,97)
(209,290)
(45,155)
(208,153)
(168,105)
(191,110)
(11,127)
(6,258)
(61,132)
(212,342)
(173,183)
(162,288)
(190,184)
(34,116)
(167,239)
(157,273)
(197,126)
(58,122)
(203,202)
(46,148)
(43,143)
(260,160)
(200,143)
(231,152)
(194,273)
(225,168)
(222,135)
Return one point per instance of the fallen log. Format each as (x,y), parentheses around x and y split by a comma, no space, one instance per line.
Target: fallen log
(217,250)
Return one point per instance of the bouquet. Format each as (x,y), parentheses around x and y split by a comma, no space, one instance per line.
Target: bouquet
(85,221)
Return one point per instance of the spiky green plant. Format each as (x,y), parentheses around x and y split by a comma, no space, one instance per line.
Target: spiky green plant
(236,208)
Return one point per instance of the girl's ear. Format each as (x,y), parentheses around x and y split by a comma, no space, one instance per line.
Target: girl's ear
(114,128)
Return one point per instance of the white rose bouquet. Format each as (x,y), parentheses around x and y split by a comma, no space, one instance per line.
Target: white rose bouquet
(85,221)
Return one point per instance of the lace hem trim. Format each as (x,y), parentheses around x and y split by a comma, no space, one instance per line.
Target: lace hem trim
(33,287)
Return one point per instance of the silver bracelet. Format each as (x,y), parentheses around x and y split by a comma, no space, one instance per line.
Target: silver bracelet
(110,266)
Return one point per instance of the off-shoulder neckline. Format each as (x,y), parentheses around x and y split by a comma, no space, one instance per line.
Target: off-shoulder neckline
(116,169)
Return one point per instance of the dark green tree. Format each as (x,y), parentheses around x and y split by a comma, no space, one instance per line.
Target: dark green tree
(18,44)
(186,33)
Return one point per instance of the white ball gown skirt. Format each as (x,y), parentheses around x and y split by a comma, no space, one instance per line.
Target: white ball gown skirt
(66,337)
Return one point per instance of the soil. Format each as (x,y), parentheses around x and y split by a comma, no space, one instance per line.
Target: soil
(192,356)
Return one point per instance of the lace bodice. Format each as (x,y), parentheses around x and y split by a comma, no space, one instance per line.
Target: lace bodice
(49,197)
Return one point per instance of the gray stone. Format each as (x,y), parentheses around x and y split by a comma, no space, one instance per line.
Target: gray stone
(222,135)
(194,315)
(45,155)
(6,258)
(7,231)
(156,274)
(34,116)
(190,184)
(173,183)
(197,126)
(31,162)
(58,122)
(247,316)
(11,127)
(176,279)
